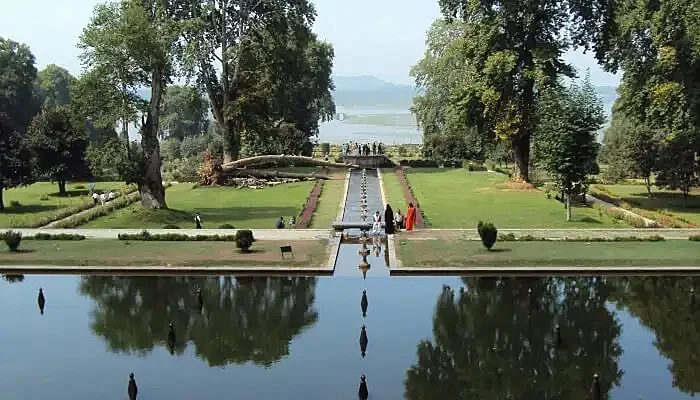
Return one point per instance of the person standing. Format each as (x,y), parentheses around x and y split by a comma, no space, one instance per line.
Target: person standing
(197,221)
(280,223)
(377,225)
(399,218)
(410,217)
(389,220)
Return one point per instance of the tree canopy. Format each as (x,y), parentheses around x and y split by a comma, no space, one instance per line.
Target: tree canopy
(54,86)
(17,76)
(185,112)
(15,158)
(58,139)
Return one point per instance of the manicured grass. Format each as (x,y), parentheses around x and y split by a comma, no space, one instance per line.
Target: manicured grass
(664,201)
(329,202)
(33,208)
(455,198)
(123,253)
(242,208)
(463,253)
(393,190)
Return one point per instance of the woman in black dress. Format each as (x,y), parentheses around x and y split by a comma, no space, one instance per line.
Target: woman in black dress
(389,220)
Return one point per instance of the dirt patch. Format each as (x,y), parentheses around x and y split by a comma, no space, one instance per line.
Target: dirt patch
(511,186)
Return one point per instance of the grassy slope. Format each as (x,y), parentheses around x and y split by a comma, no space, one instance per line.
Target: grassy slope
(329,202)
(33,208)
(117,252)
(393,190)
(453,198)
(461,253)
(671,201)
(242,208)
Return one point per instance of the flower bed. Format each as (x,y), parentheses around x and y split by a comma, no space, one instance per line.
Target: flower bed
(307,211)
(421,221)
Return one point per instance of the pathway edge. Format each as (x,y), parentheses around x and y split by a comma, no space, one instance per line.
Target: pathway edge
(391,240)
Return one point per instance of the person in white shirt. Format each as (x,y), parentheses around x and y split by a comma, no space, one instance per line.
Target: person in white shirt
(95,198)
(111,195)
(103,198)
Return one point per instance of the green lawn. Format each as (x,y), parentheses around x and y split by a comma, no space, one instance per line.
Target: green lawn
(242,208)
(455,198)
(33,209)
(329,202)
(393,190)
(662,200)
(123,253)
(462,253)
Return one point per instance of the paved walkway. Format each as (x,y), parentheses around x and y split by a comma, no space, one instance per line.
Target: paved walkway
(472,234)
(262,234)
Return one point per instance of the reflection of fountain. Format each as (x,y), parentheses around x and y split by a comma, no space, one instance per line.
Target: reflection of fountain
(133,390)
(171,338)
(363,341)
(41,300)
(364,303)
(363,393)
(595,387)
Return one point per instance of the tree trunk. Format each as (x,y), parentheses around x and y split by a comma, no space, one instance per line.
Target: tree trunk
(61,186)
(568,207)
(647,182)
(521,158)
(151,187)
(284,159)
(2,203)
(232,142)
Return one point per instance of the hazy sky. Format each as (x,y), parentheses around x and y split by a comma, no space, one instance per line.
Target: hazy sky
(371,37)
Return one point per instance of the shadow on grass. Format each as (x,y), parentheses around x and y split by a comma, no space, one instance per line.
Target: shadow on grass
(589,220)
(661,200)
(499,250)
(22,251)
(250,251)
(28,209)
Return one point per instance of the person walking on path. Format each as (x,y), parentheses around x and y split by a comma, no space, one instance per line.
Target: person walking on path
(197,221)
(389,220)
(410,217)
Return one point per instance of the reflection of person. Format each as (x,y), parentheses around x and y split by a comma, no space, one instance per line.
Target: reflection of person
(410,217)
(389,220)
(197,221)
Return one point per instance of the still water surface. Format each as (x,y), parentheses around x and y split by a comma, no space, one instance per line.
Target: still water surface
(298,338)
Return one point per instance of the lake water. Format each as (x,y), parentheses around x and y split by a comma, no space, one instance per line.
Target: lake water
(341,132)
(298,338)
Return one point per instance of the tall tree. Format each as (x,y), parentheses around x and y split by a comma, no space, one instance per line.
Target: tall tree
(185,112)
(134,42)
(17,76)
(678,166)
(565,143)
(513,50)
(219,32)
(54,86)
(58,139)
(15,158)
(496,339)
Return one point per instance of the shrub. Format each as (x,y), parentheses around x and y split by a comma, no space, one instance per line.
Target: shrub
(15,203)
(244,239)
(507,237)
(60,236)
(402,151)
(694,238)
(171,226)
(325,148)
(226,226)
(13,239)
(488,234)
(44,197)
(79,187)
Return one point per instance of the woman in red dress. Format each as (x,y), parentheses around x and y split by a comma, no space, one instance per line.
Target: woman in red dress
(410,217)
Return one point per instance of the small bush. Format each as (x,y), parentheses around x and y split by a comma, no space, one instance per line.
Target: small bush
(44,197)
(171,226)
(79,187)
(13,239)
(15,203)
(226,226)
(694,238)
(60,236)
(507,237)
(244,239)
(325,148)
(488,234)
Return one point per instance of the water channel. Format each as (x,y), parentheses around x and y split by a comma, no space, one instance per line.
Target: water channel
(298,338)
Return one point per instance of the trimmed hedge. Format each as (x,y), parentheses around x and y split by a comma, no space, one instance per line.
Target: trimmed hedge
(694,238)
(419,163)
(226,226)
(488,234)
(12,240)
(175,237)
(50,236)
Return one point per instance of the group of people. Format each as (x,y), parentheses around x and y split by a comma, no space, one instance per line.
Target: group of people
(102,198)
(280,223)
(394,222)
(358,149)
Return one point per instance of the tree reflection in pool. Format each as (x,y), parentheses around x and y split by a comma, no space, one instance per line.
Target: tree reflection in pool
(249,319)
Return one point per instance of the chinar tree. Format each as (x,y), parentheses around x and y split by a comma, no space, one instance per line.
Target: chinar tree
(217,34)
(143,35)
(512,50)
(565,143)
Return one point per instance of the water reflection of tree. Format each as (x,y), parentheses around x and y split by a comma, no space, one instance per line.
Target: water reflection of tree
(664,305)
(492,342)
(249,320)
(13,278)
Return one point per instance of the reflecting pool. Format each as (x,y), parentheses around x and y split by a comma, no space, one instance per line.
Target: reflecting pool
(300,338)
